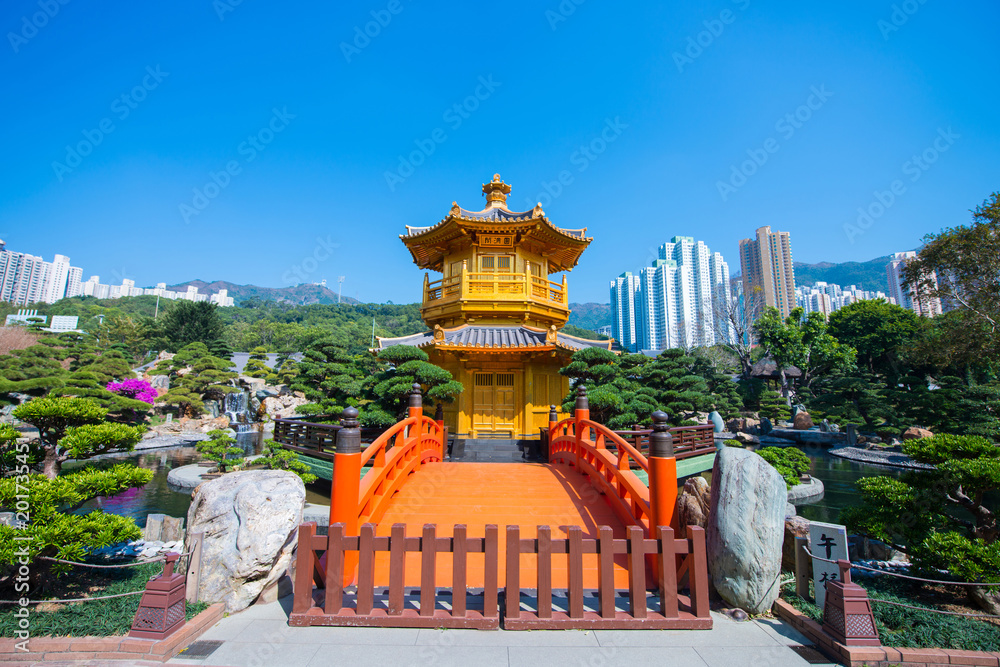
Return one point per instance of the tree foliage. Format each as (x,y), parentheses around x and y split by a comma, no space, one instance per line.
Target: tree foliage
(56,529)
(74,428)
(189,322)
(940,517)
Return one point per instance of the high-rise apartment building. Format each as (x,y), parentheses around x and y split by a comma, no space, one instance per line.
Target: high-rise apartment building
(56,278)
(766,264)
(625,309)
(678,301)
(903,294)
(74,282)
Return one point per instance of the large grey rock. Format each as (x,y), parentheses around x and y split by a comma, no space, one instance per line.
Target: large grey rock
(693,504)
(160,381)
(718,425)
(746,523)
(250,520)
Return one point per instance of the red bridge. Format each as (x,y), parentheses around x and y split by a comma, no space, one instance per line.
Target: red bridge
(416,541)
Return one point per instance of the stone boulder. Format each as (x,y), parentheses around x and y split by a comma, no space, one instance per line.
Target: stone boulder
(718,425)
(745,529)
(915,433)
(743,425)
(250,520)
(692,505)
(160,381)
(795,526)
(803,422)
(747,439)
(765,426)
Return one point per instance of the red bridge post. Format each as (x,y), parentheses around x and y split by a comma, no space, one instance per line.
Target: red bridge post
(662,474)
(580,413)
(347,482)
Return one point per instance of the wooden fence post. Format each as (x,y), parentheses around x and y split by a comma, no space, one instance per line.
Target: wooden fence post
(194,565)
(698,571)
(304,563)
(803,567)
(512,585)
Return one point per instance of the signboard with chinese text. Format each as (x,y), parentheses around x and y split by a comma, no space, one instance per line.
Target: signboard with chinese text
(495,240)
(826,540)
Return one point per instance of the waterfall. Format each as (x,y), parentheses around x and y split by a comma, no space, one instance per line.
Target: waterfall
(248,433)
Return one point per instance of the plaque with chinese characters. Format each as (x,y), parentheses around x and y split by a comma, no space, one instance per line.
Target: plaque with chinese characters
(826,540)
(495,240)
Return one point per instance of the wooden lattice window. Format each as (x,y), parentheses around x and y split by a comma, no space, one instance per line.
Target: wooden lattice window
(496,263)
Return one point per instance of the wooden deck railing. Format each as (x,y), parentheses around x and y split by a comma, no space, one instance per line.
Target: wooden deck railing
(314,438)
(321,560)
(688,441)
(363,605)
(494,286)
(671,610)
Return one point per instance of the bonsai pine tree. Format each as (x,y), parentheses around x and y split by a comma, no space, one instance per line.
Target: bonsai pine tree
(725,392)
(195,376)
(56,528)
(676,387)
(330,377)
(256,366)
(221,448)
(274,457)
(74,428)
(387,390)
(941,518)
(774,407)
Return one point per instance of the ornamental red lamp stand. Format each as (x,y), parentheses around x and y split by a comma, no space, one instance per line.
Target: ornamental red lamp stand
(847,616)
(162,608)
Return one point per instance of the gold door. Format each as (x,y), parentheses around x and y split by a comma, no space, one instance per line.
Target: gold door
(493,404)
(503,403)
(482,402)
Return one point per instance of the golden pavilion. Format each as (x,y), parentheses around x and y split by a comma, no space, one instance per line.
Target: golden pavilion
(494,315)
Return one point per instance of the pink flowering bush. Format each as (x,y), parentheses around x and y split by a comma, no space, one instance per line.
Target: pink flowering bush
(135,388)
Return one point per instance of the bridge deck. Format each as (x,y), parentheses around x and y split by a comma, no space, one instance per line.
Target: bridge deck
(477,494)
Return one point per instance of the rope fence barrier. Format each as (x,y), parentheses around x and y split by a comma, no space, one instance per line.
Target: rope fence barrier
(91,565)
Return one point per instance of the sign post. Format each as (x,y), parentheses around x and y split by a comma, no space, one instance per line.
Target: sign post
(826,540)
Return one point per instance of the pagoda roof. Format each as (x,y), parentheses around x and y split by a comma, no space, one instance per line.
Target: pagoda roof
(429,245)
(475,337)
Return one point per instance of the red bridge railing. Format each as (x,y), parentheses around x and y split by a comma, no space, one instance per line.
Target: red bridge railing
(395,455)
(584,444)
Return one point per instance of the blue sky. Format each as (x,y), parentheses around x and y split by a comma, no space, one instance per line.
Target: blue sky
(644,111)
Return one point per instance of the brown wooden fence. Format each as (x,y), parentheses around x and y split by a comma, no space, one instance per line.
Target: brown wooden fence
(689,441)
(321,560)
(673,562)
(314,439)
(583,609)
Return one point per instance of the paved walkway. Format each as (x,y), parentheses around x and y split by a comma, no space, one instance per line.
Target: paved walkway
(260,637)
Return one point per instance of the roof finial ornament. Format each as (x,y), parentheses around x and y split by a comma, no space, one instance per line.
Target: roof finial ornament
(496,192)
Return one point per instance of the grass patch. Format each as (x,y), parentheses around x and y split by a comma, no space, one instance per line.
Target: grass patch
(910,628)
(103,618)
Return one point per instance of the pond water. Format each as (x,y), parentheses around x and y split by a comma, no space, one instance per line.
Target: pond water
(155,497)
(838,476)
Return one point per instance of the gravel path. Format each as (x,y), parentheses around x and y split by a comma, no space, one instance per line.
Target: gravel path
(894,459)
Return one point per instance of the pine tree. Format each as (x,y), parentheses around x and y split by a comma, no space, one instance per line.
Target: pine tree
(256,366)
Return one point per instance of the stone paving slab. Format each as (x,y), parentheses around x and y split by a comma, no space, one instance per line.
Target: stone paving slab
(261,636)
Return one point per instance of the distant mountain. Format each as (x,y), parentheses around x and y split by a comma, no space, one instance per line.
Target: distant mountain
(590,315)
(868,275)
(299,295)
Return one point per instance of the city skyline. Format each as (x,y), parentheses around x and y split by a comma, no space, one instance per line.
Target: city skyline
(262,170)
(27,279)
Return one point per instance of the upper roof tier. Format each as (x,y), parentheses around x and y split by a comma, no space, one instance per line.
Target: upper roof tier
(462,228)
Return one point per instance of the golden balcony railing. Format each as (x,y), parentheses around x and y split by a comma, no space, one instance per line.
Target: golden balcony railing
(490,286)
